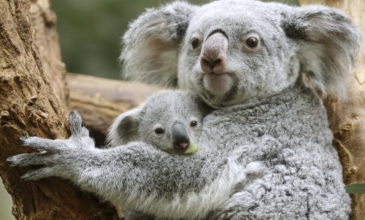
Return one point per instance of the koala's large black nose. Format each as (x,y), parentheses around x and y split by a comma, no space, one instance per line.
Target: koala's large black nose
(180,137)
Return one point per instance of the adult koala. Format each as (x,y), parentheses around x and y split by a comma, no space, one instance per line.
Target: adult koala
(245,59)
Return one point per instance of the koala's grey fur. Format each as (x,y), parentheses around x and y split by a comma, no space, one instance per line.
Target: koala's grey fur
(316,40)
(265,113)
(162,110)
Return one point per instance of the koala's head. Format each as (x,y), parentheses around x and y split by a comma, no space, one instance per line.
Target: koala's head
(170,121)
(231,51)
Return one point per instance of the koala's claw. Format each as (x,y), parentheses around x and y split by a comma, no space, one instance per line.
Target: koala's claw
(38,174)
(12,160)
(23,160)
(48,145)
(23,138)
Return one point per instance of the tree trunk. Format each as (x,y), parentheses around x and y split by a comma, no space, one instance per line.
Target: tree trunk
(347,117)
(34,102)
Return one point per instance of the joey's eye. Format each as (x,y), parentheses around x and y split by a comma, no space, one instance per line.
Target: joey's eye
(159,130)
(195,43)
(252,42)
(193,124)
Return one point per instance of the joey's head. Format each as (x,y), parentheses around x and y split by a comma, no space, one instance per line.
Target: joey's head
(232,51)
(170,121)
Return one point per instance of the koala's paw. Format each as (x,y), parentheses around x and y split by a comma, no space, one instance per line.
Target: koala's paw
(50,166)
(76,125)
(79,135)
(255,167)
(40,159)
(54,158)
(59,156)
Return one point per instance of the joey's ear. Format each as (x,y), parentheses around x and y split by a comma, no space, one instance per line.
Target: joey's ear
(328,45)
(151,44)
(125,128)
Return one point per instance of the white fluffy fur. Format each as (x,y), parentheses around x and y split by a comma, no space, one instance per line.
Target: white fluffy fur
(190,206)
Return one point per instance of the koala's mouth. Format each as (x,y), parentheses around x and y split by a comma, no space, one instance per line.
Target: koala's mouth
(218,84)
(217,91)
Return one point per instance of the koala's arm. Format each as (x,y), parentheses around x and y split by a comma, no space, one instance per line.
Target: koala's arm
(136,176)
(117,174)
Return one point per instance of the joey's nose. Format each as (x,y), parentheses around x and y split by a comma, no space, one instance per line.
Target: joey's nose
(214,53)
(180,137)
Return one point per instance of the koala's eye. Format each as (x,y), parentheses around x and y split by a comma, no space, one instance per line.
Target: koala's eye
(252,42)
(159,131)
(195,43)
(193,124)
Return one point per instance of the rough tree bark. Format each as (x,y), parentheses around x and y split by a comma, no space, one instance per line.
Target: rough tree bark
(347,117)
(33,99)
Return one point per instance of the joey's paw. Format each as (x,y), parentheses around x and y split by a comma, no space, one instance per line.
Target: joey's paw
(76,125)
(255,167)
(56,160)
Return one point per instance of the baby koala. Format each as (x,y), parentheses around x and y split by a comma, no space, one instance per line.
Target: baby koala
(169,120)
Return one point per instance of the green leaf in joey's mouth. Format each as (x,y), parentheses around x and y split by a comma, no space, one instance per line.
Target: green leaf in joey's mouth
(192,149)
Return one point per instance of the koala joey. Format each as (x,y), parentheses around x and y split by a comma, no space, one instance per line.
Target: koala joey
(169,120)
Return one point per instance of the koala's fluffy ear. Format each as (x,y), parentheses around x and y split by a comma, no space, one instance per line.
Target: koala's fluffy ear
(328,45)
(151,44)
(125,128)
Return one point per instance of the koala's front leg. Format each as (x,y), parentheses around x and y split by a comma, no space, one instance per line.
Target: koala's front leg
(135,176)
(61,158)
(75,159)
(123,175)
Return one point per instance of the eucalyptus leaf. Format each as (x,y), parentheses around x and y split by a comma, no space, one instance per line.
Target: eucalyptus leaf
(192,149)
